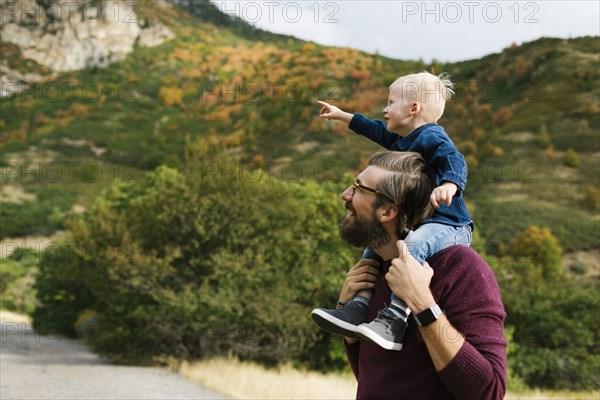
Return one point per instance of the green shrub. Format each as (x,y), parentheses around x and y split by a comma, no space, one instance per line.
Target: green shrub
(542,248)
(17,276)
(514,383)
(41,216)
(543,136)
(192,264)
(555,330)
(572,159)
(61,290)
(591,199)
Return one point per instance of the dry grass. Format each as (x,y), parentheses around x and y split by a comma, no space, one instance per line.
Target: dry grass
(8,316)
(544,395)
(15,194)
(35,242)
(307,146)
(521,137)
(243,380)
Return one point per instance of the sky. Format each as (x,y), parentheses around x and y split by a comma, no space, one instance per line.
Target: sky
(411,30)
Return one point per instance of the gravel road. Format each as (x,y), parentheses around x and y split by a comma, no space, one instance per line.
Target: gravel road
(37,367)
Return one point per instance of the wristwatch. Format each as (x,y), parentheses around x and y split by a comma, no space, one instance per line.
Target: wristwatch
(428,316)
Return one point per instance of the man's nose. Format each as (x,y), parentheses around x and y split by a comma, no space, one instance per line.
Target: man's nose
(347,194)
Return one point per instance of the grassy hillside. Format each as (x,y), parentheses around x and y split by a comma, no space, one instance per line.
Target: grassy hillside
(527,120)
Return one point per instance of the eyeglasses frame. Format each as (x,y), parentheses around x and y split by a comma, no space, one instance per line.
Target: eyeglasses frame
(357,185)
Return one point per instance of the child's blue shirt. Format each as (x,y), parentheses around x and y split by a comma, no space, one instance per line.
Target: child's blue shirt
(432,142)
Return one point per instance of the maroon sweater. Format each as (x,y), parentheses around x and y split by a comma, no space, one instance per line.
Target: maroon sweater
(466,290)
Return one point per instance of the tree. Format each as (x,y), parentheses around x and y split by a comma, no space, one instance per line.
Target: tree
(215,259)
(556,333)
(541,247)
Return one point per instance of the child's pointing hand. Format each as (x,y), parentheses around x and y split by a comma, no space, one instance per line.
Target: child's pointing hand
(332,112)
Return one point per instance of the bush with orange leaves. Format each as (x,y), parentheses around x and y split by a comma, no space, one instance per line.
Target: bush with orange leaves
(502,116)
(170,96)
(360,75)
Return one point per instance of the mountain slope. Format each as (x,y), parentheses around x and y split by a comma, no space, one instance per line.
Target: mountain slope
(515,117)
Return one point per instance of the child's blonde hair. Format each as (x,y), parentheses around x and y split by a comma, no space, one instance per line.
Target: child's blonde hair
(430,90)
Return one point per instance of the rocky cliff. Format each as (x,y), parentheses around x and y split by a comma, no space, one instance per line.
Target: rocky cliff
(66,35)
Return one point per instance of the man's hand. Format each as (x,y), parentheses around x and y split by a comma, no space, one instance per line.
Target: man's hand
(443,194)
(332,112)
(410,280)
(360,277)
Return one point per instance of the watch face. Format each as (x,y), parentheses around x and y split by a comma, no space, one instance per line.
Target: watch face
(428,316)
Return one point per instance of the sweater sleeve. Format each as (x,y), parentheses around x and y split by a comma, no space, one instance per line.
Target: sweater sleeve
(439,152)
(374,130)
(474,307)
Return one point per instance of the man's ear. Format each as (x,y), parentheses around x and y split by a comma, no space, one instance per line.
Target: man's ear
(387,212)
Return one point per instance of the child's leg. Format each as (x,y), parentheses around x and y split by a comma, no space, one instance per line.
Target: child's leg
(429,239)
(345,319)
(368,254)
(388,328)
(424,242)
(464,236)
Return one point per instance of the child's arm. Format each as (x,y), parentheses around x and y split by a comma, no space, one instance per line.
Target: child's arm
(374,130)
(443,194)
(439,152)
(332,112)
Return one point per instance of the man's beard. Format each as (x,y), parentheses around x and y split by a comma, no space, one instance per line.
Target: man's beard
(362,232)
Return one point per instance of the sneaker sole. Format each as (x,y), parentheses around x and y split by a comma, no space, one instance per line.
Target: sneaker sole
(329,323)
(366,333)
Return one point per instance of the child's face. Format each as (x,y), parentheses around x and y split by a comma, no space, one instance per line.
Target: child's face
(397,114)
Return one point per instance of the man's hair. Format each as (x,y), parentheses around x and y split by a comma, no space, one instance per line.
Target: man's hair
(432,91)
(409,182)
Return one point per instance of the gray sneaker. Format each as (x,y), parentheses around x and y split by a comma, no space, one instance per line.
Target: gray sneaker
(387,330)
(342,321)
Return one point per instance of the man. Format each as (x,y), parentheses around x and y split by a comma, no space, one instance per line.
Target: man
(456,348)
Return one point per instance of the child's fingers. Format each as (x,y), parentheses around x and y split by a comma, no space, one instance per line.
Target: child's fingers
(433,201)
(324,104)
(446,197)
(442,196)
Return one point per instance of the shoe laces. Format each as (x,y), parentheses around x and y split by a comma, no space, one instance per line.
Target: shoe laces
(387,316)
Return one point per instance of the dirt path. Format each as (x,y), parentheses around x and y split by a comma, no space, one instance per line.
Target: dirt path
(37,367)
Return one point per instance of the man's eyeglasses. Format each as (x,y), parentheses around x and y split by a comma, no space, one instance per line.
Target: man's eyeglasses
(357,185)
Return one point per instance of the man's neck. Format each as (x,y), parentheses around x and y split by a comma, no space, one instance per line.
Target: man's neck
(388,251)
